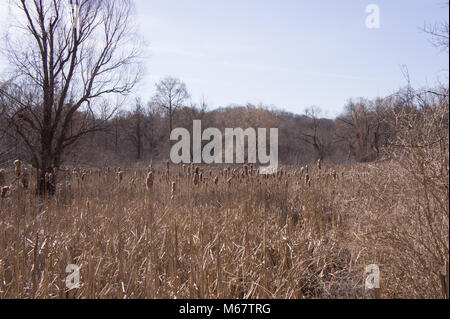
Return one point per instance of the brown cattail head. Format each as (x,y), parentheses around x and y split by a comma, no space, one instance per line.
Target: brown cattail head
(319,164)
(216,180)
(2,177)
(196,179)
(307,179)
(25,180)
(119,176)
(229,181)
(167,168)
(4,191)
(18,167)
(173,188)
(149,180)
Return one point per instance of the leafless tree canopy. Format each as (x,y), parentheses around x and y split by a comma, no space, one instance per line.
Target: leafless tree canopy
(66,58)
(171,94)
(439,33)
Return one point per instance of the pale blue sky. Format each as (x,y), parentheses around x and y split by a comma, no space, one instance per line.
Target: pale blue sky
(289,53)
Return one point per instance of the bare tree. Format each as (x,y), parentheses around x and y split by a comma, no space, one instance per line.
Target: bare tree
(68,56)
(439,33)
(313,134)
(137,133)
(363,128)
(171,94)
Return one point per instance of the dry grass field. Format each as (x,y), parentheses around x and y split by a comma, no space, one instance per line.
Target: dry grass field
(90,85)
(228,232)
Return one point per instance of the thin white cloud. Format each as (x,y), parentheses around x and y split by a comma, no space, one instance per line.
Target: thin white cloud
(338,76)
(173,50)
(259,67)
(275,68)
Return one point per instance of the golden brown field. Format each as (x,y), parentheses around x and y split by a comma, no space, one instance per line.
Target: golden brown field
(228,232)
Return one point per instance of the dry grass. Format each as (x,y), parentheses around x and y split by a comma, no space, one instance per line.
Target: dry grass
(201,233)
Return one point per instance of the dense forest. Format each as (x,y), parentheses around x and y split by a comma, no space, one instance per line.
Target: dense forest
(138,133)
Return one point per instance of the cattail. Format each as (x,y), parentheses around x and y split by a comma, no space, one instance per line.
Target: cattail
(319,164)
(150,168)
(18,167)
(5,189)
(25,180)
(149,180)
(280,173)
(216,180)
(229,181)
(119,176)
(167,167)
(196,179)
(2,177)
(173,188)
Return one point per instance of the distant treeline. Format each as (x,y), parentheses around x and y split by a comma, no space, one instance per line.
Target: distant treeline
(360,134)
